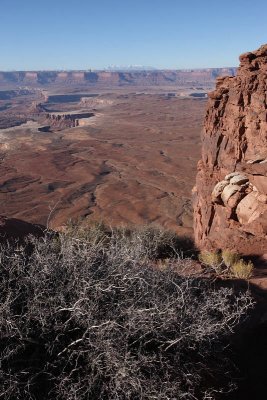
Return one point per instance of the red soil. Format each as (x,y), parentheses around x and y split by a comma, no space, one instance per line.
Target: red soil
(134,164)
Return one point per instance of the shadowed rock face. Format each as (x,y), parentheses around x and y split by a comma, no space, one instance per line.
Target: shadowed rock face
(12,229)
(230,196)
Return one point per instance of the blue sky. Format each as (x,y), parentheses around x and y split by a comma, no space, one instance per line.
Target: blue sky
(82,34)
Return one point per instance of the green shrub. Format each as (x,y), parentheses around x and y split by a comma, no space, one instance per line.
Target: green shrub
(242,269)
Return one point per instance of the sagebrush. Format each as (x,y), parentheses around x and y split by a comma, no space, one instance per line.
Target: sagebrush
(86,315)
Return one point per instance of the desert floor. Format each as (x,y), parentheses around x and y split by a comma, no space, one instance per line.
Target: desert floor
(134,162)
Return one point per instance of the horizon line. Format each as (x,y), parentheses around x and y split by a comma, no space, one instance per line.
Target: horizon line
(109,69)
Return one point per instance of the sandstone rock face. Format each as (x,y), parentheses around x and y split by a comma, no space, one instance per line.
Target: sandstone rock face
(230,195)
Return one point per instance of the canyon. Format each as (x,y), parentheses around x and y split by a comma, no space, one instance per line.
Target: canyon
(126,155)
(115,146)
(123,147)
(122,156)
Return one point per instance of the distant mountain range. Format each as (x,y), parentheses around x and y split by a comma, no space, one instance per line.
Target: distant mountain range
(123,68)
(114,78)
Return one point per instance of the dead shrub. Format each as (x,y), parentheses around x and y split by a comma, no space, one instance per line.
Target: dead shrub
(81,319)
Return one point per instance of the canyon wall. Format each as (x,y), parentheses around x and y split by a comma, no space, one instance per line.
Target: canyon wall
(112,78)
(230,196)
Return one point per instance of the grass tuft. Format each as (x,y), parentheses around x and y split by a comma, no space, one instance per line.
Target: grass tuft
(242,269)
(212,259)
(229,258)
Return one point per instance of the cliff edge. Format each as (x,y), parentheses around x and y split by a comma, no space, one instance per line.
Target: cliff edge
(230,196)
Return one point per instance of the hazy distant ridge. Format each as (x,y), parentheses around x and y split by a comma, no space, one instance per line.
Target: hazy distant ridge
(92,78)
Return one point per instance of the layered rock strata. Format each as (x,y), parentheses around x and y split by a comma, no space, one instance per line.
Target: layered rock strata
(67,120)
(111,78)
(230,196)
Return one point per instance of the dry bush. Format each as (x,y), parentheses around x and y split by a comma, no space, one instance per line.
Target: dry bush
(80,319)
(242,269)
(144,242)
(229,258)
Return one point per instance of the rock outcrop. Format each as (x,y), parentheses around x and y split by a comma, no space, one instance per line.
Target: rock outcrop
(92,102)
(66,120)
(230,196)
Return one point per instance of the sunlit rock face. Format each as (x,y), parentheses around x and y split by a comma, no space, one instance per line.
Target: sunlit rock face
(230,196)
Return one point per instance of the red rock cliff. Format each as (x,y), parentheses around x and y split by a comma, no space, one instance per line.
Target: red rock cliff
(230,196)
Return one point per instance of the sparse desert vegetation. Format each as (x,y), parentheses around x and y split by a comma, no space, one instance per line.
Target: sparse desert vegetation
(212,259)
(242,269)
(86,314)
(230,257)
(227,263)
